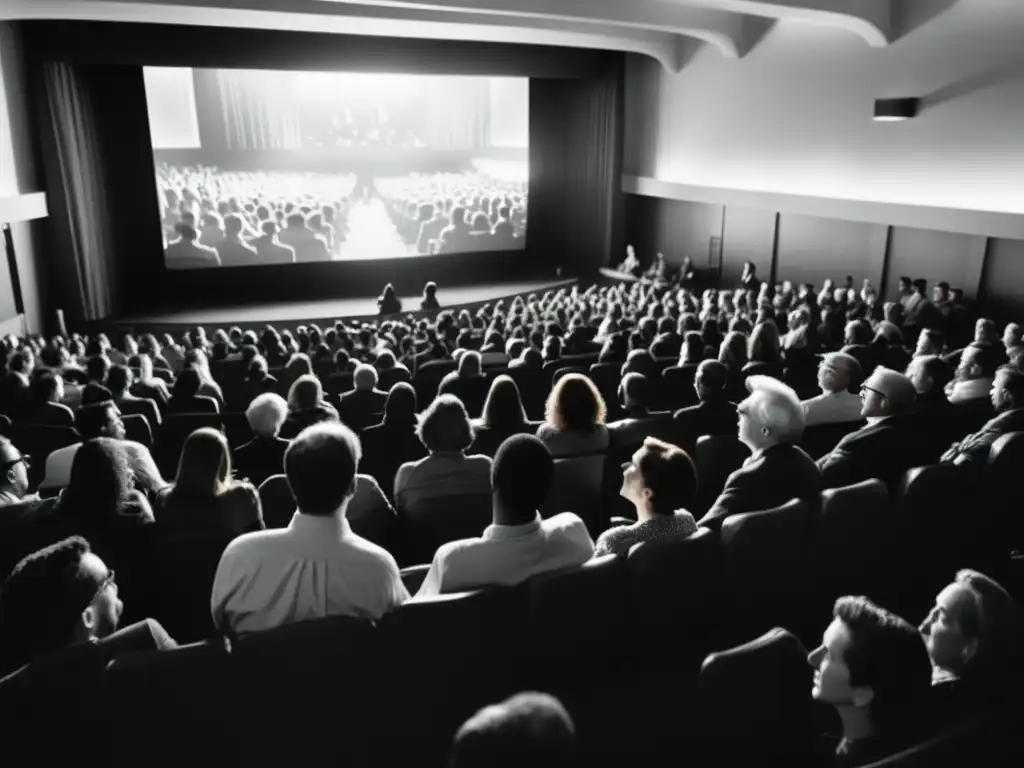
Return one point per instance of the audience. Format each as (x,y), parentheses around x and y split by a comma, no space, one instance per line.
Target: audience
(119,381)
(467,383)
(639,422)
(46,393)
(1007,396)
(503,416)
(838,375)
(519,544)
(263,456)
(660,481)
(364,400)
(713,414)
(185,397)
(317,566)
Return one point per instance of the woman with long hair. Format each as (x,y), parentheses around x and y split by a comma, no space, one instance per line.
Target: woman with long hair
(146,384)
(205,497)
(574,418)
(388,302)
(503,416)
(388,445)
(195,359)
(185,397)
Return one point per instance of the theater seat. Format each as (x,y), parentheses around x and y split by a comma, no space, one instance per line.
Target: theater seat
(1005,491)
(732,725)
(820,439)
(715,458)
(137,429)
(577,487)
(39,442)
(437,521)
(173,432)
(764,567)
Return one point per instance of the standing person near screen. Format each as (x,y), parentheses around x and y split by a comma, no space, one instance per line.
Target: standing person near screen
(388,302)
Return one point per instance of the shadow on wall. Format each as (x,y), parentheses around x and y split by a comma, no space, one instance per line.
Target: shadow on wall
(911,15)
(978,82)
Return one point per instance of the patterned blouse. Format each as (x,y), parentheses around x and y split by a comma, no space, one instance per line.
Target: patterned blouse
(618,541)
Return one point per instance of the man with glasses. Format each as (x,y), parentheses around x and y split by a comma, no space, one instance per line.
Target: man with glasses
(890,444)
(838,373)
(14,483)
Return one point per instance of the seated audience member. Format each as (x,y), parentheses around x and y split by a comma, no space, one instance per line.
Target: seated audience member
(938,419)
(258,380)
(46,391)
(519,544)
(528,729)
(14,483)
(97,367)
(269,249)
(771,423)
(103,420)
(15,395)
(503,416)
(94,393)
(358,405)
(195,359)
(307,244)
(119,381)
(232,250)
(661,482)
(263,456)
(574,418)
(445,431)
(639,423)
(930,342)
(1013,340)
(147,385)
(837,374)
(974,639)
(61,616)
(316,567)
(888,445)
(185,397)
(393,442)
(714,414)
(204,497)
(1008,401)
(873,668)
(430,302)
(974,375)
(306,406)
(187,253)
(467,383)
(388,302)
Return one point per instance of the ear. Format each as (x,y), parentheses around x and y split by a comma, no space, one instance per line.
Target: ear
(765,431)
(862,697)
(969,651)
(89,618)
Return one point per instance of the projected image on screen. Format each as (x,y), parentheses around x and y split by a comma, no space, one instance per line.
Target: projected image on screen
(261,167)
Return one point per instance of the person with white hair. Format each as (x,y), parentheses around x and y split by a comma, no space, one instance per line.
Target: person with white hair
(263,456)
(888,445)
(837,374)
(771,423)
(364,400)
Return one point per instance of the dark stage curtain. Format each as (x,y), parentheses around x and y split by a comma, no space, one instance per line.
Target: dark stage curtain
(82,275)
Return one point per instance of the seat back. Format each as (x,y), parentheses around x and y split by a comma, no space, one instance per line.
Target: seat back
(277,501)
(136,428)
(565,370)
(436,521)
(181,581)
(174,430)
(677,387)
(820,439)
(576,487)
(387,379)
(39,442)
(715,458)
(1005,460)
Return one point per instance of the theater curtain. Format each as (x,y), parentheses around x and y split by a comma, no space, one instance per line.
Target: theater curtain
(81,271)
(457,114)
(260,109)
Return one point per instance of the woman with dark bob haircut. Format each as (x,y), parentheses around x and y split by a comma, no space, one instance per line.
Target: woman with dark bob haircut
(503,416)
(445,431)
(574,418)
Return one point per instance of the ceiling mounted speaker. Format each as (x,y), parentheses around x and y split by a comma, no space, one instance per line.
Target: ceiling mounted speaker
(894,110)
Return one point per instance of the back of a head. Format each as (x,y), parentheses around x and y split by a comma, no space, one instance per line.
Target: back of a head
(43,387)
(929,373)
(187,383)
(266,413)
(321,465)
(528,729)
(204,464)
(692,351)
(996,621)
(575,404)
(521,477)
(503,407)
(305,393)
(99,482)
(780,408)
(669,472)
(634,389)
(364,377)
(444,426)
(470,364)
(400,406)
(92,419)
(269,227)
(117,379)
(713,377)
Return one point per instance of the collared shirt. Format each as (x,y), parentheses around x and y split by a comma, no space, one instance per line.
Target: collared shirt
(506,555)
(316,567)
(833,408)
(618,541)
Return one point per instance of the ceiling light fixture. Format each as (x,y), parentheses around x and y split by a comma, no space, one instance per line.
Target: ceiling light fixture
(895,110)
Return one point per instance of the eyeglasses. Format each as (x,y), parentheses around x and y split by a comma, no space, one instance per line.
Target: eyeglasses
(14,462)
(864,389)
(107,582)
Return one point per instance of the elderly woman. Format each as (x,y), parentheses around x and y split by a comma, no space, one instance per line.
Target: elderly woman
(204,497)
(445,431)
(393,442)
(503,416)
(306,406)
(574,418)
(263,456)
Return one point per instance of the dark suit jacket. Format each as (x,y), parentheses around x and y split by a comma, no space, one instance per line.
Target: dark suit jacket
(260,458)
(51,415)
(781,473)
(975,447)
(883,450)
(707,418)
(357,406)
(299,420)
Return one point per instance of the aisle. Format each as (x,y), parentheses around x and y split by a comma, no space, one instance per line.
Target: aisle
(372,234)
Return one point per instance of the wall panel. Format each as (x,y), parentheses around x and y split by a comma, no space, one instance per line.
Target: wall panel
(749,236)
(1003,284)
(812,249)
(935,256)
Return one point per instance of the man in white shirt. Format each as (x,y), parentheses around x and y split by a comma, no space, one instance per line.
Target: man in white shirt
(519,544)
(837,375)
(316,567)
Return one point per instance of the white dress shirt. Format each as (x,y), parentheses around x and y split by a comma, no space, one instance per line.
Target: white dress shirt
(833,408)
(509,554)
(314,568)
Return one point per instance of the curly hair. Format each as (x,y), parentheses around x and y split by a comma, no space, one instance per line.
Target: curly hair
(575,404)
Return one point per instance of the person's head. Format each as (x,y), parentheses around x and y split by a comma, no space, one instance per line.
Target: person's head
(233,225)
(444,427)
(528,729)
(186,384)
(710,381)
(400,405)
(929,373)
(659,478)
(119,379)
(265,414)
(974,631)
(321,465)
(733,351)
(469,364)
(906,286)
(929,342)
(521,477)
(692,350)
(15,469)
(985,332)
(430,288)
(872,663)
(978,361)
(940,293)
(46,387)
(1013,336)
(1008,389)
(269,228)
(839,372)
(97,368)
(770,415)
(299,364)
(857,332)
(99,420)
(504,406)
(575,404)
(921,287)
(57,597)
(100,482)
(305,393)
(204,468)
(886,393)
(765,345)
(364,378)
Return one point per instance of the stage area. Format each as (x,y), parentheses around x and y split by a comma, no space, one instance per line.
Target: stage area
(292,313)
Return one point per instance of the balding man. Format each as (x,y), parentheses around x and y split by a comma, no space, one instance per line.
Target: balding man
(889,445)
(838,373)
(771,423)
(364,399)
